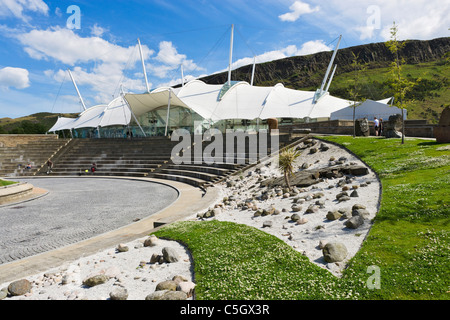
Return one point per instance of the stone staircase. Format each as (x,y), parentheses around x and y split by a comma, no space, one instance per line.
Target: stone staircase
(114,157)
(144,157)
(205,175)
(13,160)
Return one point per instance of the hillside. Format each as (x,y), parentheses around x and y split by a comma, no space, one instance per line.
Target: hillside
(37,123)
(427,60)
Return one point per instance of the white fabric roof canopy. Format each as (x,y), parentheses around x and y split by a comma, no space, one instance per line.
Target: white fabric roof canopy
(116,112)
(368,109)
(214,103)
(241,101)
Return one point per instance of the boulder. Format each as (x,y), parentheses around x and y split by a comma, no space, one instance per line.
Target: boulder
(155,258)
(312,209)
(302,220)
(442,130)
(334,252)
(333,215)
(166,285)
(322,244)
(307,178)
(19,287)
(393,127)
(295,217)
(354,222)
(118,293)
(324,147)
(179,278)
(361,212)
(151,241)
(344,198)
(167,295)
(95,280)
(187,287)
(362,128)
(122,248)
(170,255)
(341,194)
(267,224)
(354,194)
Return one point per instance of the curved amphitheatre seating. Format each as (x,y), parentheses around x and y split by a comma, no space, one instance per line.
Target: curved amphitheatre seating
(13,160)
(145,157)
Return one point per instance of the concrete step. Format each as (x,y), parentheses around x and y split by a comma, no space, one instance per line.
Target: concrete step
(201,168)
(97,173)
(107,162)
(189,180)
(194,174)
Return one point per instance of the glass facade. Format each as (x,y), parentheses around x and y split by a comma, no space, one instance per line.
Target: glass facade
(153,123)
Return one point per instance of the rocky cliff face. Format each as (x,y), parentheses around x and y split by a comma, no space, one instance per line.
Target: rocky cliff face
(305,71)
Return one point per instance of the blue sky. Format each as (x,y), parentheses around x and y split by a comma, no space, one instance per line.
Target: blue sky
(40,40)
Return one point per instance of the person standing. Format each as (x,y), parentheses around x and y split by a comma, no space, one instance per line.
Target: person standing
(376,124)
(380,127)
(49,166)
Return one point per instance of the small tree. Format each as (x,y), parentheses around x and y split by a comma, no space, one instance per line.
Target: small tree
(286,163)
(356,86)
(400,85)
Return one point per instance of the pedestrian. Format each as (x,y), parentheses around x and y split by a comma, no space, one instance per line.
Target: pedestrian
(376,124)
(28,167)
(381,127)
(49,166)
(93,167)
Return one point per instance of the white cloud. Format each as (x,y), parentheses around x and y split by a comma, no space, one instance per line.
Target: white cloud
(372,19)
(58,12)
(168,59)
(314,46)
(14,77)
(16,8)
(366,32)
(67,47)
(103,77)
(168,54)
(97,31)
(298,8)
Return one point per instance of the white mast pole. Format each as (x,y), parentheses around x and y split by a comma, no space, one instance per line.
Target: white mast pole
(168,111)
(231,54)
(329,66)
(182,76)
(253,71)
(143,66)
(76,88)
(331,78)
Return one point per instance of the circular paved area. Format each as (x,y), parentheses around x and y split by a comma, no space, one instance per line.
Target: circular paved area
(76,209)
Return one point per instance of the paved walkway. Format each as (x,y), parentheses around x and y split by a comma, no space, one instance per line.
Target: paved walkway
(81,216)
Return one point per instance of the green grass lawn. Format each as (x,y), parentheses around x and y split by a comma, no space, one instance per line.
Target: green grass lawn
(409,243)
(6,183)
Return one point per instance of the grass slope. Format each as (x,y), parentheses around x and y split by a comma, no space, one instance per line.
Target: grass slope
(410,239)
(38,123)
(427,99)
(408,244)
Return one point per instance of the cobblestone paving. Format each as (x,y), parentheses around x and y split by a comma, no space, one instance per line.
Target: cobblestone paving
(75,210)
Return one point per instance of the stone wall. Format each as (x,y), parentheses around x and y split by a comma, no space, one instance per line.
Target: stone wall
(12,140)
(413,128)
(442,131)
